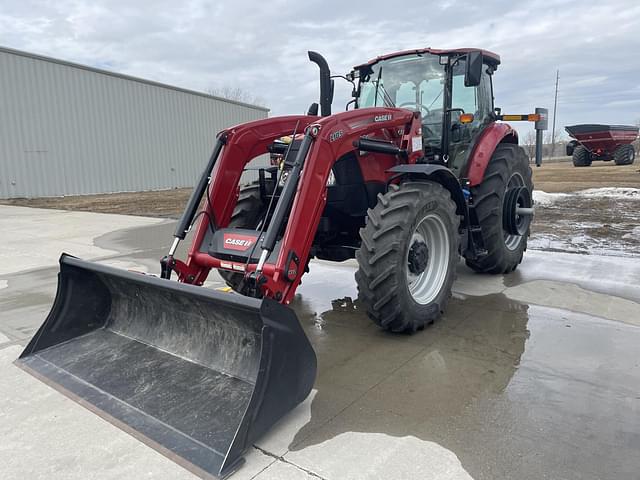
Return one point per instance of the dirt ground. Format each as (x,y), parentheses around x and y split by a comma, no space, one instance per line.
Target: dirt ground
(551,178)
(165,203)
(565,178)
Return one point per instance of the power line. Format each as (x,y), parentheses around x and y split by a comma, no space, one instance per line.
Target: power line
(555,107)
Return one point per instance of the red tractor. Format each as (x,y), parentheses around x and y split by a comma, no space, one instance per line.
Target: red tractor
(418,173)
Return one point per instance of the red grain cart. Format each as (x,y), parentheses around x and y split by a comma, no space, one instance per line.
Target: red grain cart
(601,142)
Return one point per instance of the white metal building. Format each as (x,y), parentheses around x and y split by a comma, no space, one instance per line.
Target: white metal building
(68,129)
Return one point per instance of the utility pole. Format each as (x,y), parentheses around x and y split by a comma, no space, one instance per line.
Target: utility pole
(555,107)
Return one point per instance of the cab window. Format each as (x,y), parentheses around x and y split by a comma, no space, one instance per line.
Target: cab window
(476,100)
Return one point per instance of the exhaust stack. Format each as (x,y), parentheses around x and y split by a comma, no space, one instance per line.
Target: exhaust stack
(326,84)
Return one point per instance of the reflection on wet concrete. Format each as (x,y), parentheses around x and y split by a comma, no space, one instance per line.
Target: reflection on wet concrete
(151,237)
(516,391)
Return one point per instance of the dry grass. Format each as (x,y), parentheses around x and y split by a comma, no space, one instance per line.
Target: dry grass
(564,177)
(165,203)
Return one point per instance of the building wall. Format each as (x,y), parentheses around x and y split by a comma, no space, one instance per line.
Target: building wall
(66,129)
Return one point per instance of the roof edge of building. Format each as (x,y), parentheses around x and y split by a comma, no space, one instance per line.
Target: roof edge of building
(44,58)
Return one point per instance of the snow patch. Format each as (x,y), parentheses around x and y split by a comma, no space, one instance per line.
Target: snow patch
(583,244)
(633,234)
(542,198)
(611,192)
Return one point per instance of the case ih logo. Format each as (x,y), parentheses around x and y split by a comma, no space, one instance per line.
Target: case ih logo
(234,241)
(382,118)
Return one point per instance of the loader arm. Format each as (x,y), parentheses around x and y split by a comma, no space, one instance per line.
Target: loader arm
(330,138)
(241,144)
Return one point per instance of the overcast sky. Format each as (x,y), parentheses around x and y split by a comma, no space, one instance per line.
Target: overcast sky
(261,46)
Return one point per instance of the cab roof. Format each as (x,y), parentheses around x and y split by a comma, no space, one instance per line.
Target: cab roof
(490,57)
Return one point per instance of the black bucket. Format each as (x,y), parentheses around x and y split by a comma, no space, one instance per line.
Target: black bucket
(198,375)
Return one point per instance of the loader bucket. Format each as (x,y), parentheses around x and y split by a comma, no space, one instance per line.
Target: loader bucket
(196,374)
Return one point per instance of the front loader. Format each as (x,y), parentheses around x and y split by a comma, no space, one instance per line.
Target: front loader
(422,170)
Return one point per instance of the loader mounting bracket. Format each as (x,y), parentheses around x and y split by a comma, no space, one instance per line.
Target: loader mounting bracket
(167,264)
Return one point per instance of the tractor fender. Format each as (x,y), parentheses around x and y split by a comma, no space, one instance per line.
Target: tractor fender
(439,174)
(483,148)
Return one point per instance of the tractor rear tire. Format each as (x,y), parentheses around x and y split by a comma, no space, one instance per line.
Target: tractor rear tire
(508,168)
(624,154)
(248,213)
(581,157)
(408,256)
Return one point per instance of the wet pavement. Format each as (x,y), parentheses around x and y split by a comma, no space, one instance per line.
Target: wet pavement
(531,375)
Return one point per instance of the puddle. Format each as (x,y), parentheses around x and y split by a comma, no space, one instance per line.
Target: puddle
(504,385)
(144,237)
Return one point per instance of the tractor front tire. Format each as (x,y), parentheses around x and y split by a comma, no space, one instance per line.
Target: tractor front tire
(508,168)
(624,154)
(248,213)
(408,256)
(581,157)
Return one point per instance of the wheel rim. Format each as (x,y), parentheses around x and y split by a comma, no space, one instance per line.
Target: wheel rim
(512,241)
(425,277)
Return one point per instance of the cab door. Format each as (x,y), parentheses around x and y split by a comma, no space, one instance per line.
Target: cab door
(477,101)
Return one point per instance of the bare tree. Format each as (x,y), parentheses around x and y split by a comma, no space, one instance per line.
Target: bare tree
(553,150)
(529,144)
(237,94)
(636,144)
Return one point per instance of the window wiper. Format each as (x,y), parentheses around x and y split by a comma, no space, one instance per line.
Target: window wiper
(388,101)
(434,100)
(387,98)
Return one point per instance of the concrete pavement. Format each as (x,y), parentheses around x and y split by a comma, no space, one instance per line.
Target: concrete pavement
(530,375)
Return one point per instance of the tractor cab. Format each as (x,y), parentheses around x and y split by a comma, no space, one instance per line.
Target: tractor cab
(451,89)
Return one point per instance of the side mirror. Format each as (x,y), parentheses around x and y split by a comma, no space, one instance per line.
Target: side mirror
(473,69)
